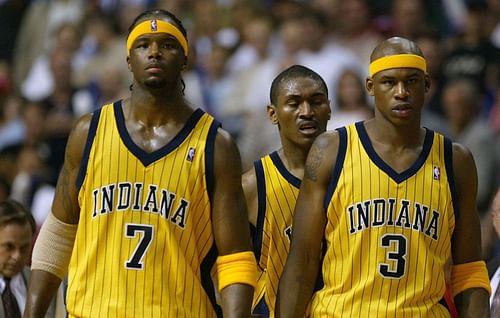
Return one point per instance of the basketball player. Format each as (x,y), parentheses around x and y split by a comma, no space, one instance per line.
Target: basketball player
(301,109)
(392,201)
(149,198)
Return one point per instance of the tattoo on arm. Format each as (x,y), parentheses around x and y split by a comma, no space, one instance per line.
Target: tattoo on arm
(314,161)
(62,190)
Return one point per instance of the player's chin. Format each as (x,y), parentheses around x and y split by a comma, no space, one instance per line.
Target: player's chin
(155,83)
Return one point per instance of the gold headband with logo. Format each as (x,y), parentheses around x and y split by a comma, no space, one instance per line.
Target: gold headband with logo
(156,26)
(398,61)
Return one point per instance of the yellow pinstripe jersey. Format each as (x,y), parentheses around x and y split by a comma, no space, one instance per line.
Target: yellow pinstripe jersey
(388,234)
(144,245)
(277,191)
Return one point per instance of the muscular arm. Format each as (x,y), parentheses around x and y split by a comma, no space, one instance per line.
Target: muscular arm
(230,220)
(43,285)
(466,240)
(301,268)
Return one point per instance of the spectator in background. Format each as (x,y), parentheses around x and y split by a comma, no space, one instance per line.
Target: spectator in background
(257,136)
(39,82)
(323,55)
(17,228)
(37,29)
(11,14)
(63,108)
(11,130)
(248,95)
(351,104)
(31,173)
(356,30)
(331,9)
(461,105)
(102,45)
(11,125)
(251,25)
(429,42)
(473,56)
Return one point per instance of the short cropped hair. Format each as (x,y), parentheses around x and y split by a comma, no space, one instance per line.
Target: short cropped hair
(13,212)
(294,71)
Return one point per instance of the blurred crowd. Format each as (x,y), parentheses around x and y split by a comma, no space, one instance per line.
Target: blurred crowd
(60,59)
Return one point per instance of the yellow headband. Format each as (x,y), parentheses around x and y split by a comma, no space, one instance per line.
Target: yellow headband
(398,61)
(156,26)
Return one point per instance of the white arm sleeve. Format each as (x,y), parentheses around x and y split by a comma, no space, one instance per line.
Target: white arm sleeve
(53,246)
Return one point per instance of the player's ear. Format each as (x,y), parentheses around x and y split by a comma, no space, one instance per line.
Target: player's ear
(128,64)
(271,114)
(427,81)
(369,86)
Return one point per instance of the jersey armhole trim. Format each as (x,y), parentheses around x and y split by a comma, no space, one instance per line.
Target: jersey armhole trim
(448,161)
(88,146)
(209,158)
(261,208)
(339,163)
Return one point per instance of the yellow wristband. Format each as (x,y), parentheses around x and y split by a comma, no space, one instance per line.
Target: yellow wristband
(398,61)
(469,275)
(237,268)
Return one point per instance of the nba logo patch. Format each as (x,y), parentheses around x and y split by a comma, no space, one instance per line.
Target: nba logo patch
(154,25)
(190,154)
(436,174)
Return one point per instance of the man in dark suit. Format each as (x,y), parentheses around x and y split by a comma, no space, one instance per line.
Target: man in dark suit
(17,227)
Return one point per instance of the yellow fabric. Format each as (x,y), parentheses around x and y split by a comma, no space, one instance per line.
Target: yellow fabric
(387,239)
(156,26)
(281,195)
(145,238)
(398,61)
(237,268)
(469,275)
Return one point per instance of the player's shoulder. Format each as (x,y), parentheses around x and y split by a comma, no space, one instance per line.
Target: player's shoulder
(460,150)
(81,128)
(329,139)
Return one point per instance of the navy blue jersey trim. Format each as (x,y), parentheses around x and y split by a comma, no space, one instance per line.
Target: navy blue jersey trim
(88,146)
(448,162)
(339,163)
(261,210)
(145,157)
(293,180)
(397,177)
(206,279)
(209,158)
(261,309)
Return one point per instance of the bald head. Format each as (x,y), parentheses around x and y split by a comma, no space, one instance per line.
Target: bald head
(393,46)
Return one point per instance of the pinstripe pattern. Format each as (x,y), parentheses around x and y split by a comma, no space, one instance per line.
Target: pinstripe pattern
(145,227)
(388,234)
(281,190)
